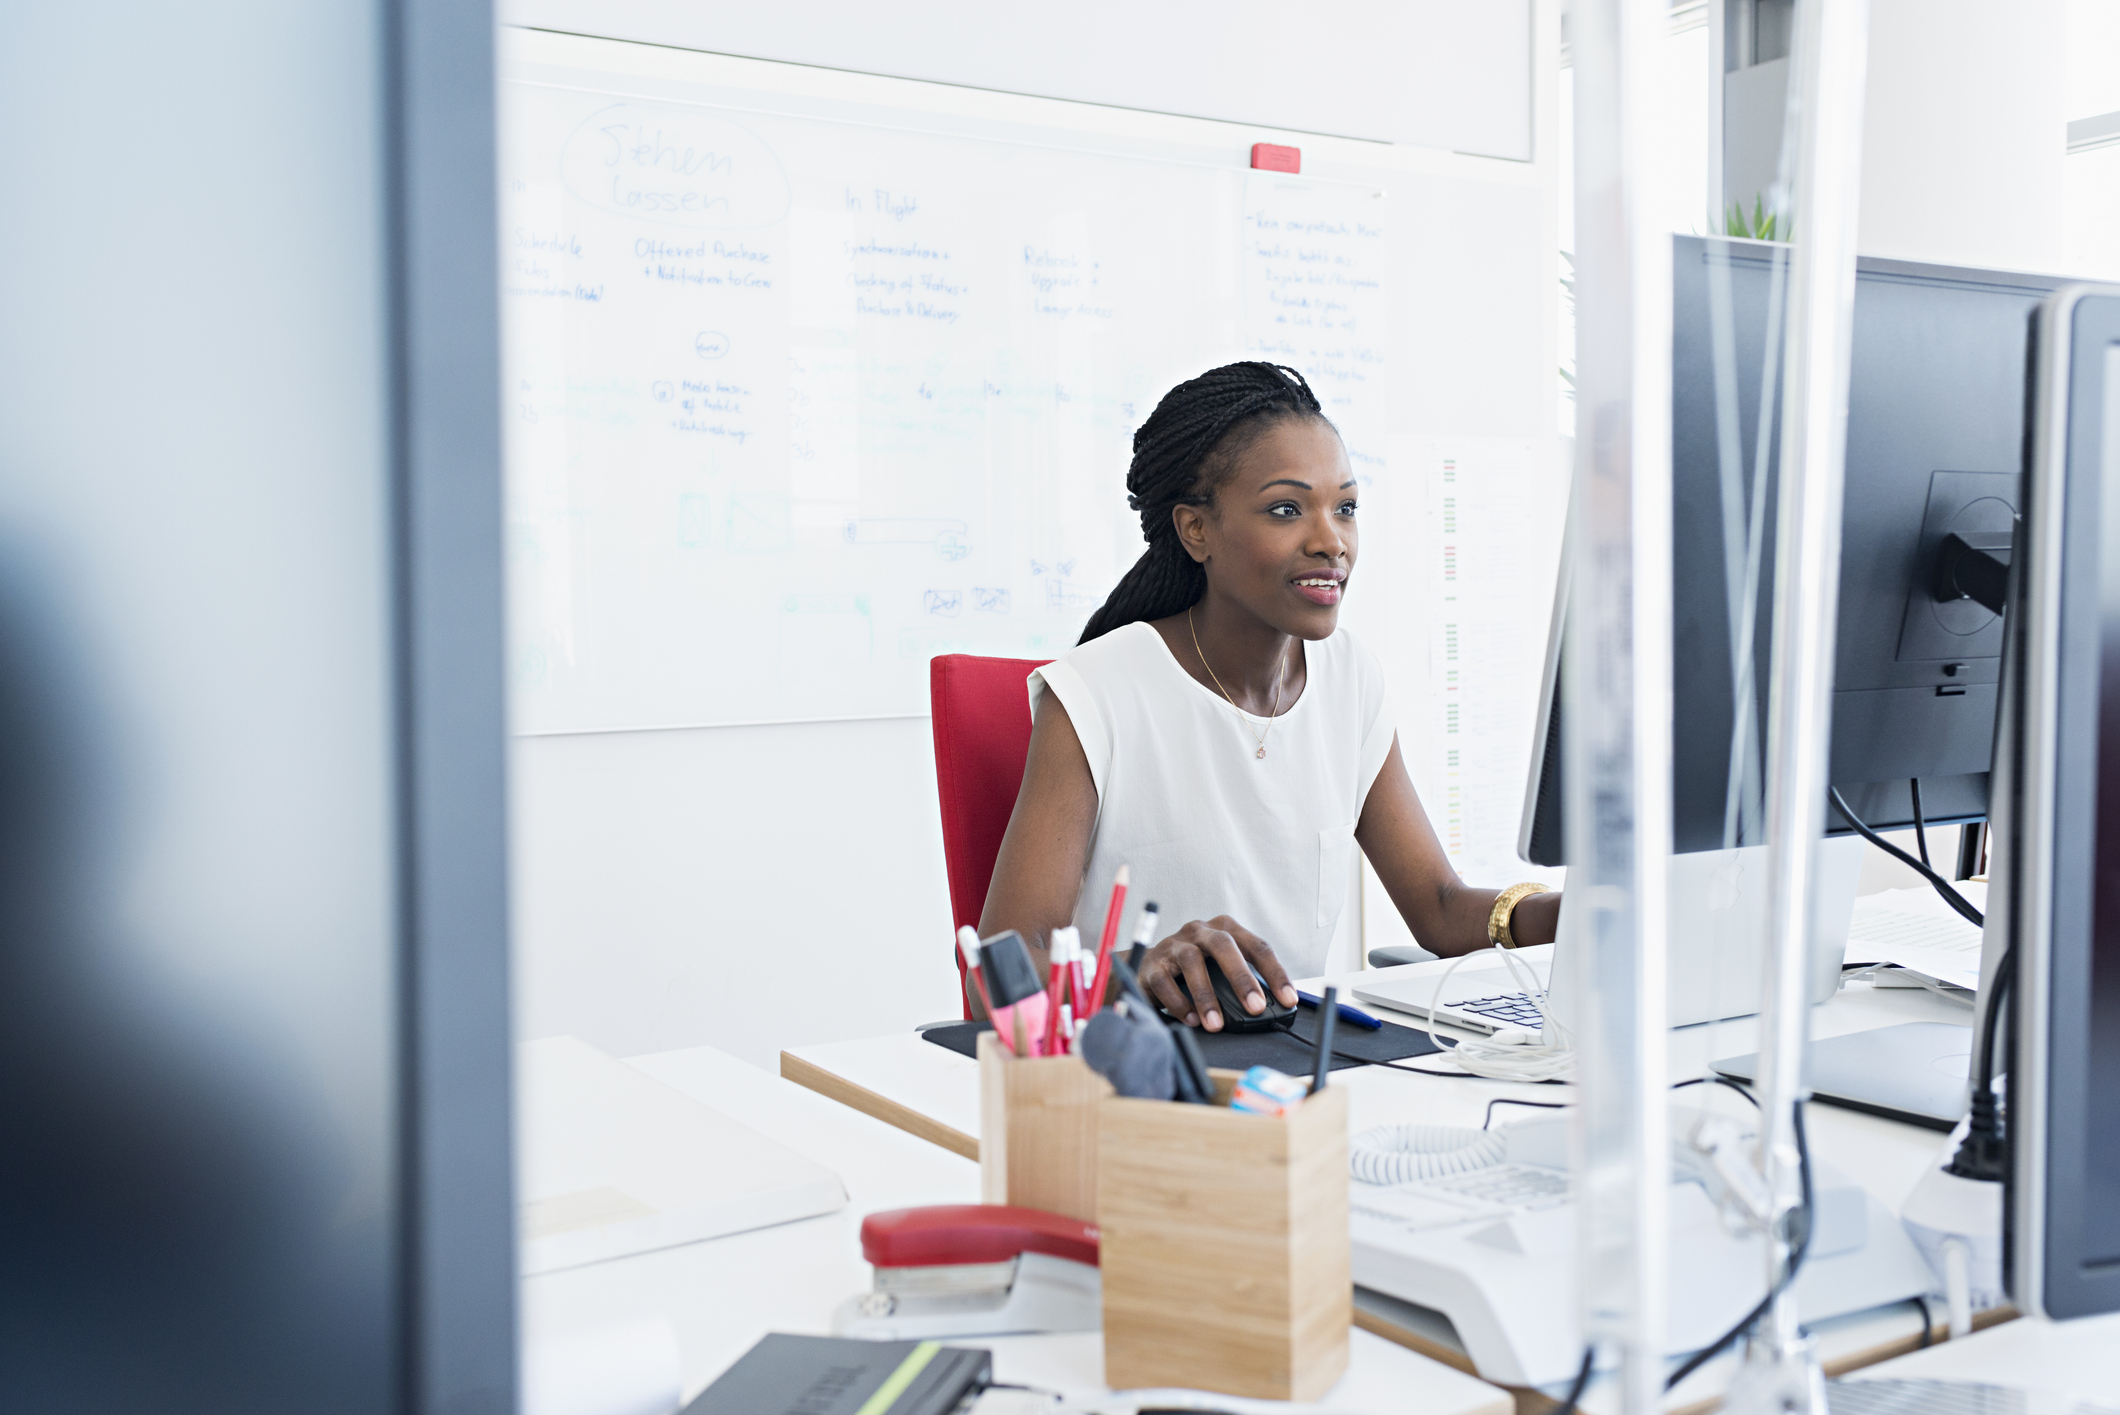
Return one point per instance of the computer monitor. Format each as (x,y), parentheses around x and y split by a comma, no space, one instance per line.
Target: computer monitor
(2055,901)
(1935,445)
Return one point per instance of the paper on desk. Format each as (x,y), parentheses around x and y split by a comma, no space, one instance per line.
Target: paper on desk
(622,1368)
(1916,930)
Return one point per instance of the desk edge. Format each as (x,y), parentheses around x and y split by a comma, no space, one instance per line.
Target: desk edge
(811,1076)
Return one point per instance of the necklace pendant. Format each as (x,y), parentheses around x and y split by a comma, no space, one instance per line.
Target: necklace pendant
(1261,752)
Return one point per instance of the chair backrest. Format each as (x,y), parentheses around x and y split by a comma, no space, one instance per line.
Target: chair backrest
(982,721)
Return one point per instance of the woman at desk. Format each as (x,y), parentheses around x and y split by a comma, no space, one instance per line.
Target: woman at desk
(1218,731)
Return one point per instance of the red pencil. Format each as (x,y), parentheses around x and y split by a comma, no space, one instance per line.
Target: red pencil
(1055,985)
(1104,946)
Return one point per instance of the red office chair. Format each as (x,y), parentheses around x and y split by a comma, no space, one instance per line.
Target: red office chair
(982,735)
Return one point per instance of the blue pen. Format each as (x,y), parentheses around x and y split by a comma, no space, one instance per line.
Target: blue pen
(1347,1014)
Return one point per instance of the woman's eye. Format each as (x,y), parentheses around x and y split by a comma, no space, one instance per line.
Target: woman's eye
(1346,508)
(1285,510)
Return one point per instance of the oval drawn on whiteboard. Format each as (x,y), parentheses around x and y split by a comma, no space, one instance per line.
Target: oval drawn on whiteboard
(711,344)
(676,166)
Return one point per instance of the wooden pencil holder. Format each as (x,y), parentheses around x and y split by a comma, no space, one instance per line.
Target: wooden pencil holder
(1225,1245)
(1038,1130)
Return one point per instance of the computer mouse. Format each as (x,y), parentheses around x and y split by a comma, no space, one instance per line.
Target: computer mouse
(1234,1017)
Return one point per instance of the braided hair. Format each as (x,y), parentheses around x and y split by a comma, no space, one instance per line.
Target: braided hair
(1189,447)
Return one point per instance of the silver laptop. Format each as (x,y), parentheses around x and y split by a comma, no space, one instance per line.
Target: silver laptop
(1719,904)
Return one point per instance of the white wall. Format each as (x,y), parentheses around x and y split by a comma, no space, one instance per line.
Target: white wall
(2091,179)
(753,887)
(761,887)
(1964,134)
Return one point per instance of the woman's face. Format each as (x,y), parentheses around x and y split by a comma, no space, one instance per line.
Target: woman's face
(1280,537)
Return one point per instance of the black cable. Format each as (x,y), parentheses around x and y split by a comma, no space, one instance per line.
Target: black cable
(1582,1382)
(1950,896)
(1800,1242)
(1718,1080)
(1921,831)
(1488,1123)
(1462,1075)
(1928,1321)
(1984,1153)
(1972,846)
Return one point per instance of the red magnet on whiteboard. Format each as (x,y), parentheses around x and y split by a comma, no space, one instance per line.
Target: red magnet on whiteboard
(1268,157)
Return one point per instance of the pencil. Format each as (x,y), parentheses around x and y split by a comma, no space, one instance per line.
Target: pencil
(1111,937)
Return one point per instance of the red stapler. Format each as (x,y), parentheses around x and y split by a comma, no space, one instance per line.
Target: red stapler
(975,1270)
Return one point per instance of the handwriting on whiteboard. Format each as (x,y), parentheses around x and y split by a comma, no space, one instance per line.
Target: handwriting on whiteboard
(678,166)
(797,402)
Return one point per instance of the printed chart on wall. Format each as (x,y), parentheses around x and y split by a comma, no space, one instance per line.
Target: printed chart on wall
(799,398)
(1496,513)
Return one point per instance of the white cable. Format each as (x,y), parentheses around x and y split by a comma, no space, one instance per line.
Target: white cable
(1507,1057)
(1958,1284)
(1399,1154)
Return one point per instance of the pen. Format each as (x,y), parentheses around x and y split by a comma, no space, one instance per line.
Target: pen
(1144,935)
(1130,986)
(1348,1014)
(1328,1018)
(1059,966)
(968,945)
(1143,928)
(1111,936)
(1193,1081)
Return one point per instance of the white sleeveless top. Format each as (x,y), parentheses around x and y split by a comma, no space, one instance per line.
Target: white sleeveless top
(1207,826)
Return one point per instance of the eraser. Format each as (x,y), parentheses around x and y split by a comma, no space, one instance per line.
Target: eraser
(1265,1091)
(1006,964)
(1271,157)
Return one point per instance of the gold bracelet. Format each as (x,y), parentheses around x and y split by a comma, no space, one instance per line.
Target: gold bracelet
(1505,904)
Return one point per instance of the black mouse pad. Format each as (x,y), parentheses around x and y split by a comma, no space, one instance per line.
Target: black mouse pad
(1236,1051)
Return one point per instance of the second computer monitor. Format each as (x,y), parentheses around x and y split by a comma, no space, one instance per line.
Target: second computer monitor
(1935,447)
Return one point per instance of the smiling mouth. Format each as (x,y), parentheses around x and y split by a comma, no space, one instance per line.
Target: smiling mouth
(1322,589)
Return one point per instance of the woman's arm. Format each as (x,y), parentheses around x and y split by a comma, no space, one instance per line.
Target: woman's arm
(1046,848)
(1447,916)
(1039,872)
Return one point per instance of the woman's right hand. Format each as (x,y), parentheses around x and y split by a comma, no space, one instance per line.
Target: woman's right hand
(1175,971)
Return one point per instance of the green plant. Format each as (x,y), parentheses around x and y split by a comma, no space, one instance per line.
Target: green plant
(1763,225)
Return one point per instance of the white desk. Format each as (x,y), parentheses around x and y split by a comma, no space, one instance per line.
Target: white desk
(928,1090)
(932,1092)
(2079,1359)
(721,1296)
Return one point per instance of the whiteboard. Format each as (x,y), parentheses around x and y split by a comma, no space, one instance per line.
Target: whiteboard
(1435,73)
(802,394)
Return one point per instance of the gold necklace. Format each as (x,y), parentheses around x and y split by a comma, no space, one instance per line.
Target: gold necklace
(1242,716)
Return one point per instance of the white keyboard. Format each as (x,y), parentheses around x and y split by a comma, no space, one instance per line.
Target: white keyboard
(1515,1186)
(1480,1193)
(1508,1009)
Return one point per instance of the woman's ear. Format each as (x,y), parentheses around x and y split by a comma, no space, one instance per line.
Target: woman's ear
(1191,523)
